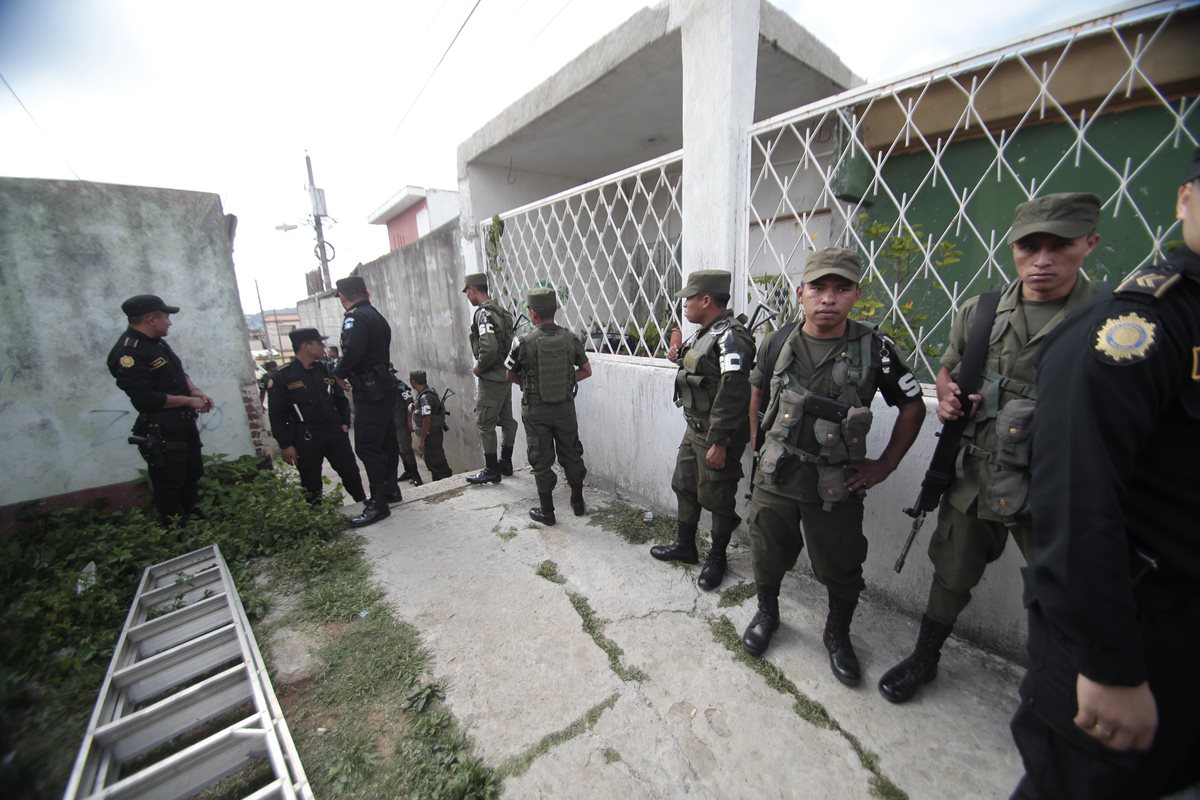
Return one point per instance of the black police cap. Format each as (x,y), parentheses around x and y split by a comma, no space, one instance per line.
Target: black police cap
(142,304)
(353,285)
(302,335)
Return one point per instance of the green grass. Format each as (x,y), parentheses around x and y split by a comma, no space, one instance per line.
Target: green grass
(549,570)
(737,594)
(627,522)
(593,626)
(805,707)
(505,534)
(517,765)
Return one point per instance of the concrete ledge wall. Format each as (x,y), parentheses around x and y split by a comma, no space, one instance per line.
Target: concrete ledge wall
(631,430)
(70,253)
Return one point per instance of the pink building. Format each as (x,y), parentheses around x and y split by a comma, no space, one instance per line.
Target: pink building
(414,212)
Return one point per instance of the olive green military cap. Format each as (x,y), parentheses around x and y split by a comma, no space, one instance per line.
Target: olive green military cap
(542,299)
(417,376)
(476,279)
(833,261)
(1066,214)
(712,281)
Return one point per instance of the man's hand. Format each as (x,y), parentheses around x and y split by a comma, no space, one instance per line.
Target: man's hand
(345,384)
(673,353)
(421,446)
(949,405)
(345,429)
(475,370)
(867,473)
(715,457)
(1119,717)
(290,455)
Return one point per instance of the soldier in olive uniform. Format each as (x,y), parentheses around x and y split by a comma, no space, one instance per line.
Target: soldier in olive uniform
(366,344)
(548,363)
(429,423)
(403,415)
(986,500)
(712,386)
(147,369)
(813,470)
(310,417)
(491,339)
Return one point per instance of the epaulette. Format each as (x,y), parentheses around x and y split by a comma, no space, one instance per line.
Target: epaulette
(1150,282)
(721,325)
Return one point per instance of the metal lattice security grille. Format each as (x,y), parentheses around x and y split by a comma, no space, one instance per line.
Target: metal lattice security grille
(921,175)
(610,249)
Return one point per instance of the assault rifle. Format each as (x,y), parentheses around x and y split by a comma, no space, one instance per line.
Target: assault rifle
(945,454)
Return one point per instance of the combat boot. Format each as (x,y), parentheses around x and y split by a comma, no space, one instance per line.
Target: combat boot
(683,550)
(842,658)
(416,479)
(757,637)
(411,472)
(544,513)
(713,571)
(373,511)
(902,681)
(505,462)
(393,493)
(490,472)
(577,499)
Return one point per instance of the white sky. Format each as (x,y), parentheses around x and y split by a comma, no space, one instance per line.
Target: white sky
(226,96)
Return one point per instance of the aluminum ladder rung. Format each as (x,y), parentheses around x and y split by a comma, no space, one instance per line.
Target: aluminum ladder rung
(182,592)
(167,631)
(193,562)
(170,668)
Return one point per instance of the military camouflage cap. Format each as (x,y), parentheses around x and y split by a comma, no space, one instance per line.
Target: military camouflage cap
(542,299)
(1193,172)
(353,285)
(417,376)
(833,261)
(712,281)
(1066,214)
(476,279)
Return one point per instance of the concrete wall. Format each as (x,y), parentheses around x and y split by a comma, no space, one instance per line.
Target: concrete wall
(70,253)
(631,430)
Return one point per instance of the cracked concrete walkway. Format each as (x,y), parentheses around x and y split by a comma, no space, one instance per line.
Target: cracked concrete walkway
(539,697)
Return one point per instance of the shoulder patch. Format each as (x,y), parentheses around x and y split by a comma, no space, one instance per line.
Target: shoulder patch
(1152,282)
(1124,339)
(348,324)
(126,361)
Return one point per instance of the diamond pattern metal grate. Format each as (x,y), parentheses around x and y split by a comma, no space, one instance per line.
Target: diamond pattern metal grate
(921,175)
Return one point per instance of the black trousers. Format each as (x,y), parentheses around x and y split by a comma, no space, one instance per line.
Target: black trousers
(1062,762)
(313,447)
(174,481)
(375,441)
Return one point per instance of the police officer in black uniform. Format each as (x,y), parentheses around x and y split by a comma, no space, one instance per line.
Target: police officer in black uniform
(271,368)
(366,342)
(147,369)
(1110,701)
(310,417)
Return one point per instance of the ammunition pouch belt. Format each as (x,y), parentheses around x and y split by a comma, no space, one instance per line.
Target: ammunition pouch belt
(698,424)
(692,392)
(1005,490)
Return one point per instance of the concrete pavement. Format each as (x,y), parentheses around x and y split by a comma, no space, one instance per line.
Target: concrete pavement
(582,667)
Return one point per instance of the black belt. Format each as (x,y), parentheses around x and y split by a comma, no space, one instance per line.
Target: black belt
(181,413)
(697,424)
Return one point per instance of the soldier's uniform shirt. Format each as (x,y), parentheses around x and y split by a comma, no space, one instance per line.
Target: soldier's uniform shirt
(404,399)
(721,377)
(969,535)
(307,411)
(1117,470)
(493,404)
(148,370)
(427,403)
(550,428)
(780,510)
(365,347)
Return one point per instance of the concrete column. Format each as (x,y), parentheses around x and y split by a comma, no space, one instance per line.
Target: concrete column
(720,59)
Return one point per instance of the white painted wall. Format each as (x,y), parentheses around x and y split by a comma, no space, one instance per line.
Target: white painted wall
(70,253)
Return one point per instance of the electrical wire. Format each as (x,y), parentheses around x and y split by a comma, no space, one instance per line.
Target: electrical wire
(435,68)
(36,125)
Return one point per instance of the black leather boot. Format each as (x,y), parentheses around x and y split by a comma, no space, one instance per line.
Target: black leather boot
(373,511)
(490,472)
(683,549)
(842,658)
(902,681)
(713,571)
(505,462)
(393,493)
(544,513)
(757,637)
(577,500)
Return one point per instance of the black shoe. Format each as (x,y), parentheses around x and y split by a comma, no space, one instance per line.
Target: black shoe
(490,472)
(902,681)
(757,637)
(683,549)
(404,476)
(843,661)
(577,501)
(416,480)
(713,571)
(544,513)
(393,494)
(372,512)
(504,464)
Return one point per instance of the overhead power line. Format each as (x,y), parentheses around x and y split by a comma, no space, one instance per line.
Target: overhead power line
(435,68)
(41,130)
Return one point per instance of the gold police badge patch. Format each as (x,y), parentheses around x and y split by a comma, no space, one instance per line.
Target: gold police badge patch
(1125,339)
(127,361)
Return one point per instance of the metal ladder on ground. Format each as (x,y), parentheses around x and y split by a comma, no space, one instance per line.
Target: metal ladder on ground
(169,718)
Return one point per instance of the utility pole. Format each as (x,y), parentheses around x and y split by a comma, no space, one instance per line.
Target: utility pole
(318,210)
(263,318)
